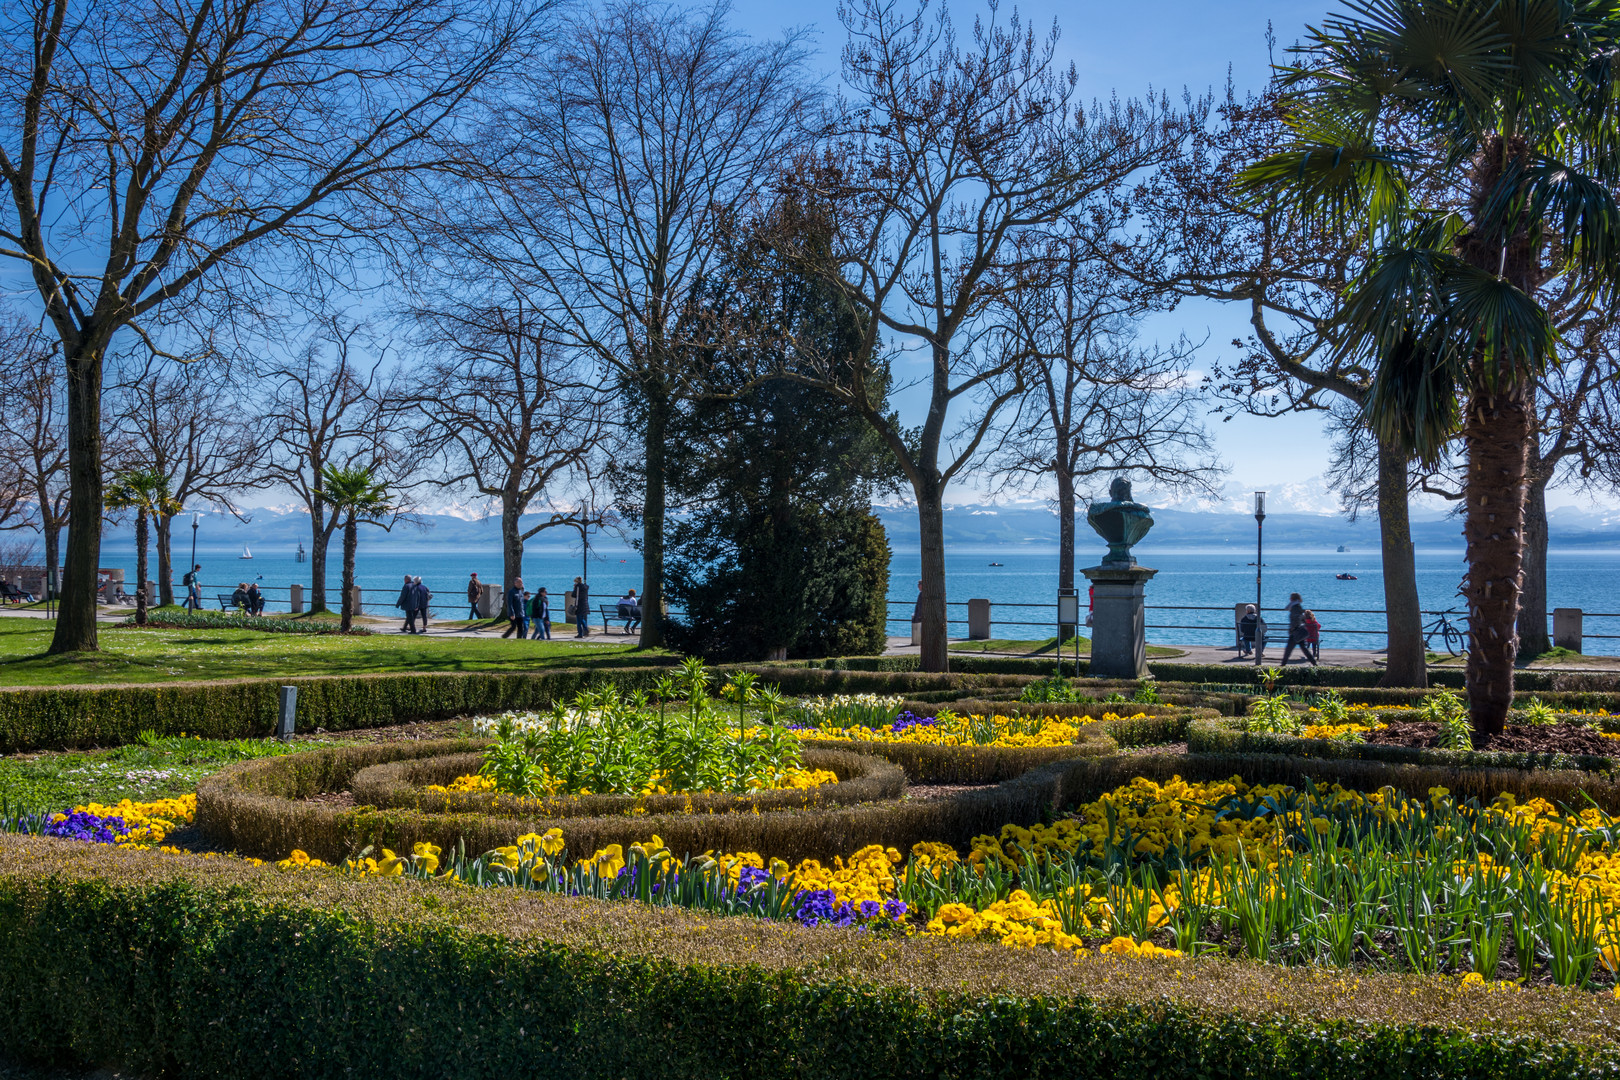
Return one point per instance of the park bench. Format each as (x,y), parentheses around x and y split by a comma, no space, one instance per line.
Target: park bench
(610,611)
(10,594)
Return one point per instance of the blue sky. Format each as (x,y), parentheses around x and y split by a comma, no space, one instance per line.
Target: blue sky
(1130,48)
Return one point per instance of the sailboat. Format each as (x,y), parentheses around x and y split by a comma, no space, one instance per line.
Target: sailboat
(246,553)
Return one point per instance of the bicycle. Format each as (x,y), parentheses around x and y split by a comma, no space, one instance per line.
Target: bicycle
(1450,635)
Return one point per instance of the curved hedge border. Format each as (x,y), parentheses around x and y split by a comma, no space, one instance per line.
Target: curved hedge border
(1223,737)
(216,968)
(400,784)
(1084,781)
(261,808)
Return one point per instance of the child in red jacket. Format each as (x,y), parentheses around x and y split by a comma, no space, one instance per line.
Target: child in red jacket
(1312,646)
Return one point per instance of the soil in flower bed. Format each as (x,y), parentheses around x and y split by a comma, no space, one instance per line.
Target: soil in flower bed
(927,792)
(1515,738)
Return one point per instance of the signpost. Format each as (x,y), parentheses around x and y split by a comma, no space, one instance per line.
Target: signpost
(1068,606)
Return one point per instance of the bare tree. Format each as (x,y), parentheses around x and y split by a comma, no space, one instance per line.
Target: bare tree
(205,151)
(1203,239)
(191,425)
(510,412)
(608,181)
(324,413)
(1100,401)
(944,152)
(33,442)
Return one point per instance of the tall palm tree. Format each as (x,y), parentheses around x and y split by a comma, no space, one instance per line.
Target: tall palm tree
(356,497)
(1513,106)
(145,491)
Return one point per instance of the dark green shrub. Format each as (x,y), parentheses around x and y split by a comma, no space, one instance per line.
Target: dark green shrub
(221,969)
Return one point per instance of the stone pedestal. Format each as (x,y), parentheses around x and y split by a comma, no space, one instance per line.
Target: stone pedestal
(978,620)
(1567,628)
(1118,623)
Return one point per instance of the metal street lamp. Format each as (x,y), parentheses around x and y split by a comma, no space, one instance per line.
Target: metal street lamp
(192,569)
(1259,544)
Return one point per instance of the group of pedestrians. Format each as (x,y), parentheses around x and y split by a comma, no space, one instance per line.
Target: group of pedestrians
(1304,632)
(527,616)
(413,601)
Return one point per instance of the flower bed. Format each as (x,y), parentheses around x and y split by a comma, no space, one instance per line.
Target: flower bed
(430,784)
(477,982)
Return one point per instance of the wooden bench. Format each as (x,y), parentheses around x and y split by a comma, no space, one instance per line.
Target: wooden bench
(611,611)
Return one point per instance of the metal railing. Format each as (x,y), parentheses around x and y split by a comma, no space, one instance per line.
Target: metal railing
(1227,625)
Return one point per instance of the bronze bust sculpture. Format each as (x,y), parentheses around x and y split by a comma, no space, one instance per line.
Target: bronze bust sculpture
(1120,521)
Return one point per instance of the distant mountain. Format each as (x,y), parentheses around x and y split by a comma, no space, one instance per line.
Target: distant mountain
(965,526)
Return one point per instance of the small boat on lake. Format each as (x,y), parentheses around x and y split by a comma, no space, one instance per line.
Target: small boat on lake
(246,553)
(1344,577)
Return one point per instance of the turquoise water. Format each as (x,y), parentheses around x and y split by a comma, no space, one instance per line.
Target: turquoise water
(1583,578)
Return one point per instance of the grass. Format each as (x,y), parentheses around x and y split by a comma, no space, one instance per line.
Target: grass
(154,768)
(134,655)
(1042,646)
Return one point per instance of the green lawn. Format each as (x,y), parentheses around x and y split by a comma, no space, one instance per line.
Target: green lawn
(131,655)
(1042,647)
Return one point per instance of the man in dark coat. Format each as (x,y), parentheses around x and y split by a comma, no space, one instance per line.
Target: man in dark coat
(473,591)
(1296,627)
(407,604)
(582,608)
(517,617)
(423,595)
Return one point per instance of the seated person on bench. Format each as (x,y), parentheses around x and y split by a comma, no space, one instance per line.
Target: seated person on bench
(630,611)
(239,599)
(1246,628)
(11,593)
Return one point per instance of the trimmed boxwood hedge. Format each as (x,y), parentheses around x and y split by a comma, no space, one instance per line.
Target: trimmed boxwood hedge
(402,783)
(68,717)
(212,968)
(262,808)
(1225,737)
(1170,671)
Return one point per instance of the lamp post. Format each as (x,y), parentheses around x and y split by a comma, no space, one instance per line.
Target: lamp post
(1259,544)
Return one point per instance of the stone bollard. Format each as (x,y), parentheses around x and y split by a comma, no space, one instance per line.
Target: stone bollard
(151,594)
(568,608)
(297,603)
(978,620)
(1567,628)
(354,601)
(916,631)
(489,600)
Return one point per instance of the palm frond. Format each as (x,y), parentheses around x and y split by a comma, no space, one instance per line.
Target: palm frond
(1583,212)
(1510,331)
(1413,403)
(1342,184)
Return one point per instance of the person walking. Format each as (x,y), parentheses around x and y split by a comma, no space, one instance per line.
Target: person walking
(1312,645)
(517,621)
(193,583)
(407,604)
(540,614)
(1296,629)
(474,590)
(423,595)
(582,608)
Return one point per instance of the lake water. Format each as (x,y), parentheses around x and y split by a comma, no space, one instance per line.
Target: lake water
(1581,578)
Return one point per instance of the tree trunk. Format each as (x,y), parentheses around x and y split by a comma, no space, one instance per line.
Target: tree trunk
(1066,507)
(935,654)
(140,567)
(1533,637)
(164,524)
(1497,433)
(351,540)
(76,618)
(1405,662)
(320,533)
(53,558)
(652,518)
(511,544)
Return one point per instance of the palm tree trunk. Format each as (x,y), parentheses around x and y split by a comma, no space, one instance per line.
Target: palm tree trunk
(1497,433)
(351,540)
(140,566)
(1533,637)
(1405,663)
(76,618)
